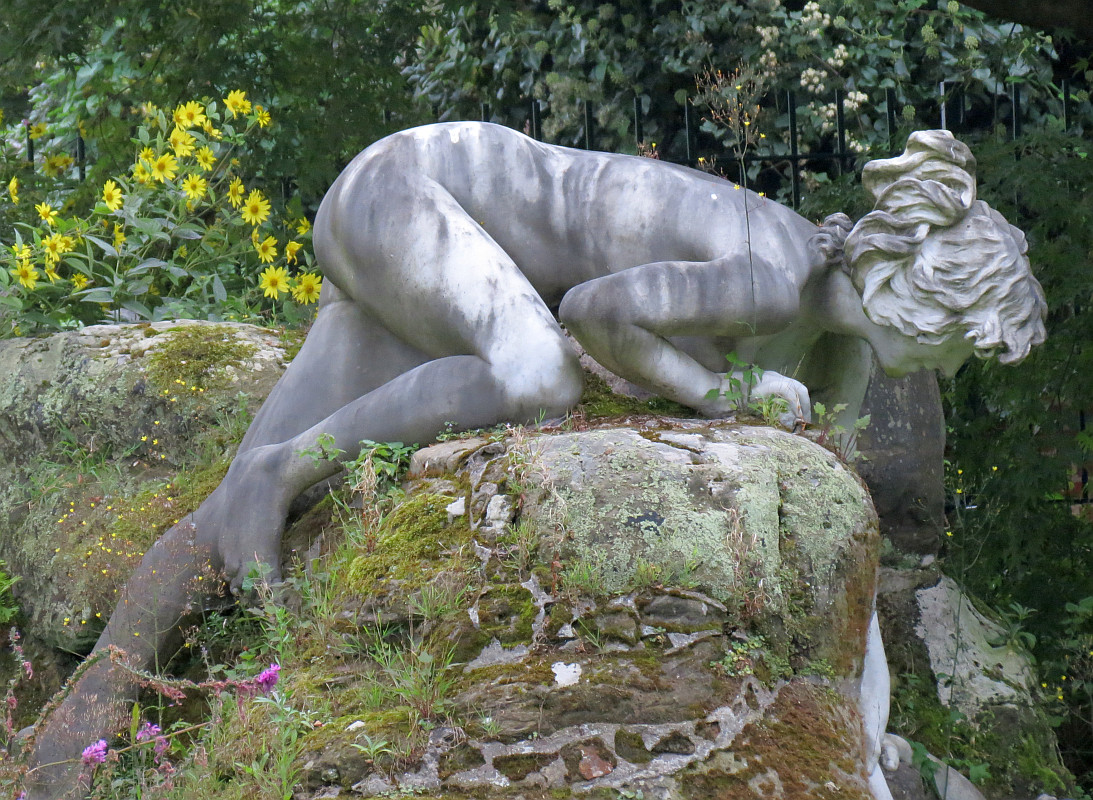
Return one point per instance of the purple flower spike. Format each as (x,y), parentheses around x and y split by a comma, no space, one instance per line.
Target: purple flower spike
(95,753)
(267,678)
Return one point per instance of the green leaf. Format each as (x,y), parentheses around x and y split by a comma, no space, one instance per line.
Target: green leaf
(104,245)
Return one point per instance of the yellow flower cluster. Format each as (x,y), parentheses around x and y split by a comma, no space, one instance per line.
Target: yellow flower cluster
(276,282)
(181,186)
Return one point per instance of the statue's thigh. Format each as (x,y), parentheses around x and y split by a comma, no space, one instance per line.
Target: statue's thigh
(421,266)
(346,355)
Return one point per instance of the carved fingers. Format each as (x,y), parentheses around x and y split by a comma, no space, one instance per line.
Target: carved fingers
(798,406)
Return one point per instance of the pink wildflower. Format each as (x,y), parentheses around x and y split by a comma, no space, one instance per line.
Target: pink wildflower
(95,753)
(147,731)
(267,678)
(28,668)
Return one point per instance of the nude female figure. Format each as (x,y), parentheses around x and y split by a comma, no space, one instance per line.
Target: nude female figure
(451,253)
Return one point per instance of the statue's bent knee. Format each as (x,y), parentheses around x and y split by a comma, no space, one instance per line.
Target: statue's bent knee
(548,382)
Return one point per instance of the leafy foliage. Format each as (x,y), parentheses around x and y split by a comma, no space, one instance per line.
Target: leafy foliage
(329,70)
(565,53)
(178,235)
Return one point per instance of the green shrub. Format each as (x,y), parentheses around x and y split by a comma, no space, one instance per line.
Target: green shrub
(180,235)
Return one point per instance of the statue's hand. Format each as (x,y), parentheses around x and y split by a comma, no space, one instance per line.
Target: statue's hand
(798,406)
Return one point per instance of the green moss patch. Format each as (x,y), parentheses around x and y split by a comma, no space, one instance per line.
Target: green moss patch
(196,356)
(802,745)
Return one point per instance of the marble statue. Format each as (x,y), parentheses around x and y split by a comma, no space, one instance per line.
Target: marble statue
(455,253)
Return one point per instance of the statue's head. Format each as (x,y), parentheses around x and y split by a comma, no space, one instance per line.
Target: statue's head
(938,265)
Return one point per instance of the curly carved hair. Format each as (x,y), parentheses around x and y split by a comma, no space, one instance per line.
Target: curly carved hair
(933,261)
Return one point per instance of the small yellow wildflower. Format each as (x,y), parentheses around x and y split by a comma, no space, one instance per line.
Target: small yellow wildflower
(262,116)
(46,212)
(51,273)
(26,274)
(190,115)
(235,192)
(38,130)
(194,186)
(56,164)
(290,252)
(13,190)
(147,155)
(256,208)
(56,246)
(307,288)
(237,102)
(274,282)
(79,280)
(163,168)
(182,251)
(141,174)
(210,130)
(303,226)
(266,249)
(119,236)
(181,142)
(111,195)
(205,158)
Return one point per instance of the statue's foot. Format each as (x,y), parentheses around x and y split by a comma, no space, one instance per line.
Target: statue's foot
(243,519)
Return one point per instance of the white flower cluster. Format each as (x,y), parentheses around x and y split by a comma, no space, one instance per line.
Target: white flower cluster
(837,60)
(855,100)
(814,19)
(813,80)
(854,146)
(767,34)
(827,114)
(769,62)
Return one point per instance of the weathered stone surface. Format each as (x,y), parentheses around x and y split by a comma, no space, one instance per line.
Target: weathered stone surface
(760,520)
(968,647)
(903,450)
(672,612)
(95,425)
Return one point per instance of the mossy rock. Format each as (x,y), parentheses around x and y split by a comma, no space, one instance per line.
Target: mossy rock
(108,435)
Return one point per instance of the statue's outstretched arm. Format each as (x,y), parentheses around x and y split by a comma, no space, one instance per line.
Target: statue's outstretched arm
(624,320)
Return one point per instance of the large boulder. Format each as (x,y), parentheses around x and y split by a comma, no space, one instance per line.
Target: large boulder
(107,436)
(674,608)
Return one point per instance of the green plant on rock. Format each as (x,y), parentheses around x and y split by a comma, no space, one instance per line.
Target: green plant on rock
(833,434)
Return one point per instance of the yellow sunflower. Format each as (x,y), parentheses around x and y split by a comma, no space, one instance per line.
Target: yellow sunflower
(290,252)
(205,158)
(235,192)
(266,249)
(181,142)
(56,164)
(194,186)
(190,115)
(307,287)
(164,167)
(46,212)
(237,102)
(111,195)
(26,274)
(274,282)
(79,280)
(303,226)
(256,208)
(13,190)
(262,116)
